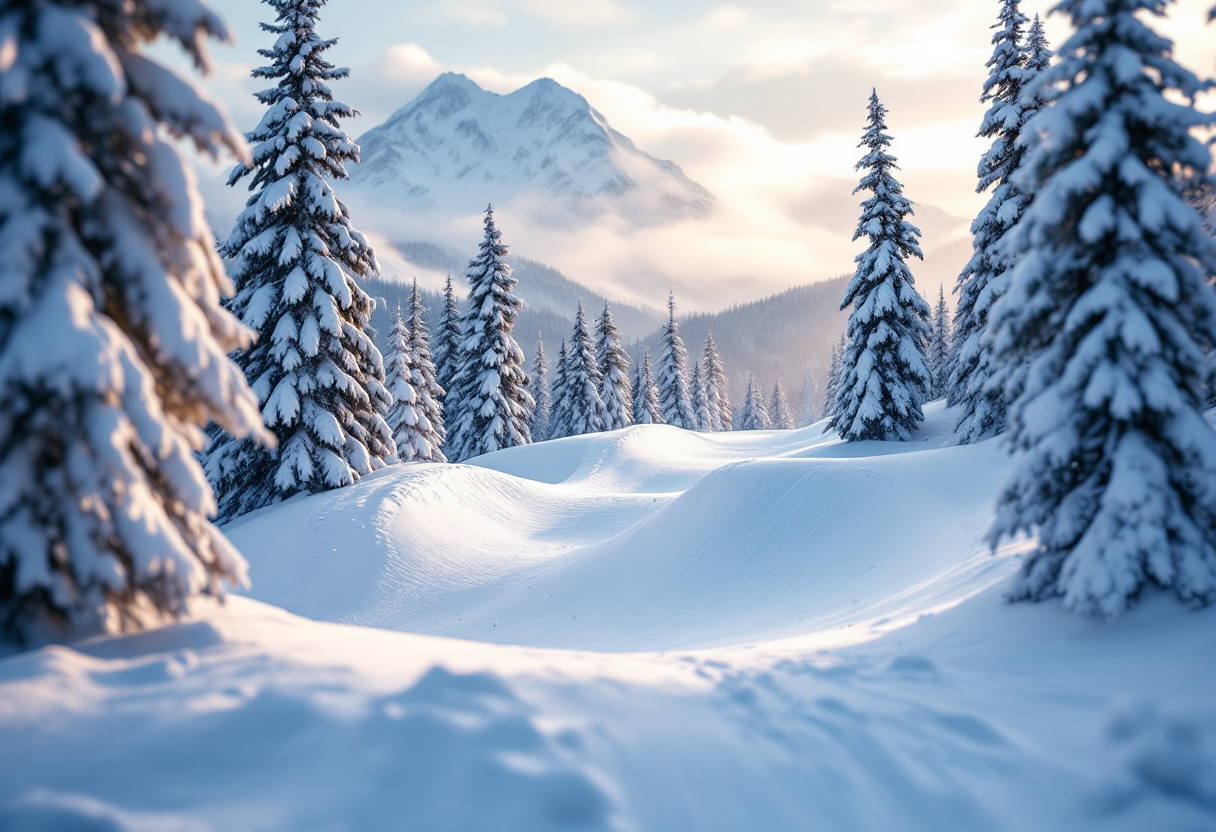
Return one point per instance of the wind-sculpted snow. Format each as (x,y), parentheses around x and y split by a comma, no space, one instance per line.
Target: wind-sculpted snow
(643,539)
(193,706)
(856,668)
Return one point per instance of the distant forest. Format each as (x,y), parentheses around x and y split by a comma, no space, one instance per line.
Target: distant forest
(784,335)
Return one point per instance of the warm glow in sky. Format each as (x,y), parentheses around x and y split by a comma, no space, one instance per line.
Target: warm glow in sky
(763,105)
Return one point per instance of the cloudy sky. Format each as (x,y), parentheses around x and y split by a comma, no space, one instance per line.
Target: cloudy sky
(760,103)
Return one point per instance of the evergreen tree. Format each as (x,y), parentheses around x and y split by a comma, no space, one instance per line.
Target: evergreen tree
(615,390)
(700,401)
(403,416)
(560,415)
(779,409)
(112,339)
(673,374)
(295,257)
(1110,311)
(429,435)
(491,402)
(883,375)
(754,415)
(977,381)
(717,388)
(583,380)
(646,407)
(448,337)
(539,386)
(834,371)
(808,401)
(939,347)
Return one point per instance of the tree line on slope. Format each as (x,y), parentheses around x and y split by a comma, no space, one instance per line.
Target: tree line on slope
(1085,330)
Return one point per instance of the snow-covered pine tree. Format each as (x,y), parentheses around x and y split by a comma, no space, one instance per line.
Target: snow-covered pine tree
(583,380)
(559,414)
(939,346)
(492,403)
(717,388)
(646,407)
(977,381)
(1111,311)
(615,390)
(779,409)
(539,387)
(700,401)
(883,375)
(403,415)
(673,374)
(753,415)
(113,341)
(429,433)
(809,401)
(295,257)
(447,343)
(833,385)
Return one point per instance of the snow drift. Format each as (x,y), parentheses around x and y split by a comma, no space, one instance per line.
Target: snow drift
(825,646)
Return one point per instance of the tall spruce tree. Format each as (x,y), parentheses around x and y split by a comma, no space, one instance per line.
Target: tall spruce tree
(403,415)
(779,409)
(560,415)
(700,400)
(808,402)
(541,394)
(491,401)
(1110,311)
(429,432)
(295,257)
(717,388)
(615,390)
(883,375)
(113,341)
(673,374)
(977,381)
(583,380)
(833,386)
(754,414)
(646,407)
(448,337)
(939,347)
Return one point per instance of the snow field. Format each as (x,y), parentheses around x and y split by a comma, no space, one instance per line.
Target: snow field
(818,643)
(644,539)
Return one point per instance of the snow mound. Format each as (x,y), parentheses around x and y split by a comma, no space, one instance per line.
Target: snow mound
(649,538)
(855,663)
(184,701)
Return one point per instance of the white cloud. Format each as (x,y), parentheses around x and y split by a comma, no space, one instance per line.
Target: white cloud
(579,13)
(726,17)
(478,12)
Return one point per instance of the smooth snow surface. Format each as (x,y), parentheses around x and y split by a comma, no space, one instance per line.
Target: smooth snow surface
(760,630)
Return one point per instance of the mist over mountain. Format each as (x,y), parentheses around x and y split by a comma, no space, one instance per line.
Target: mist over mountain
(458,146)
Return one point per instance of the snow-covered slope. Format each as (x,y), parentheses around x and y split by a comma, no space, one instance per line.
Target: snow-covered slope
(457,147)
(650,538)
(836,655)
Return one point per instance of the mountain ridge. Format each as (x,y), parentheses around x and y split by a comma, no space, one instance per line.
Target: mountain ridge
(457,147)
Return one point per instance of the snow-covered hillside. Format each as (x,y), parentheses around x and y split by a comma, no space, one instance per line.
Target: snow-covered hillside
(653,629)
(457,146)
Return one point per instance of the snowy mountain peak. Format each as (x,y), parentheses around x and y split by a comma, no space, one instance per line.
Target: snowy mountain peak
(457,146)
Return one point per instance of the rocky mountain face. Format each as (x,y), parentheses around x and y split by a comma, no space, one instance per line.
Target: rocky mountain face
(457,147)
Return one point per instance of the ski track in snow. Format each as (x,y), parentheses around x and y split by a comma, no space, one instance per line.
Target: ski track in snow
(763,631)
